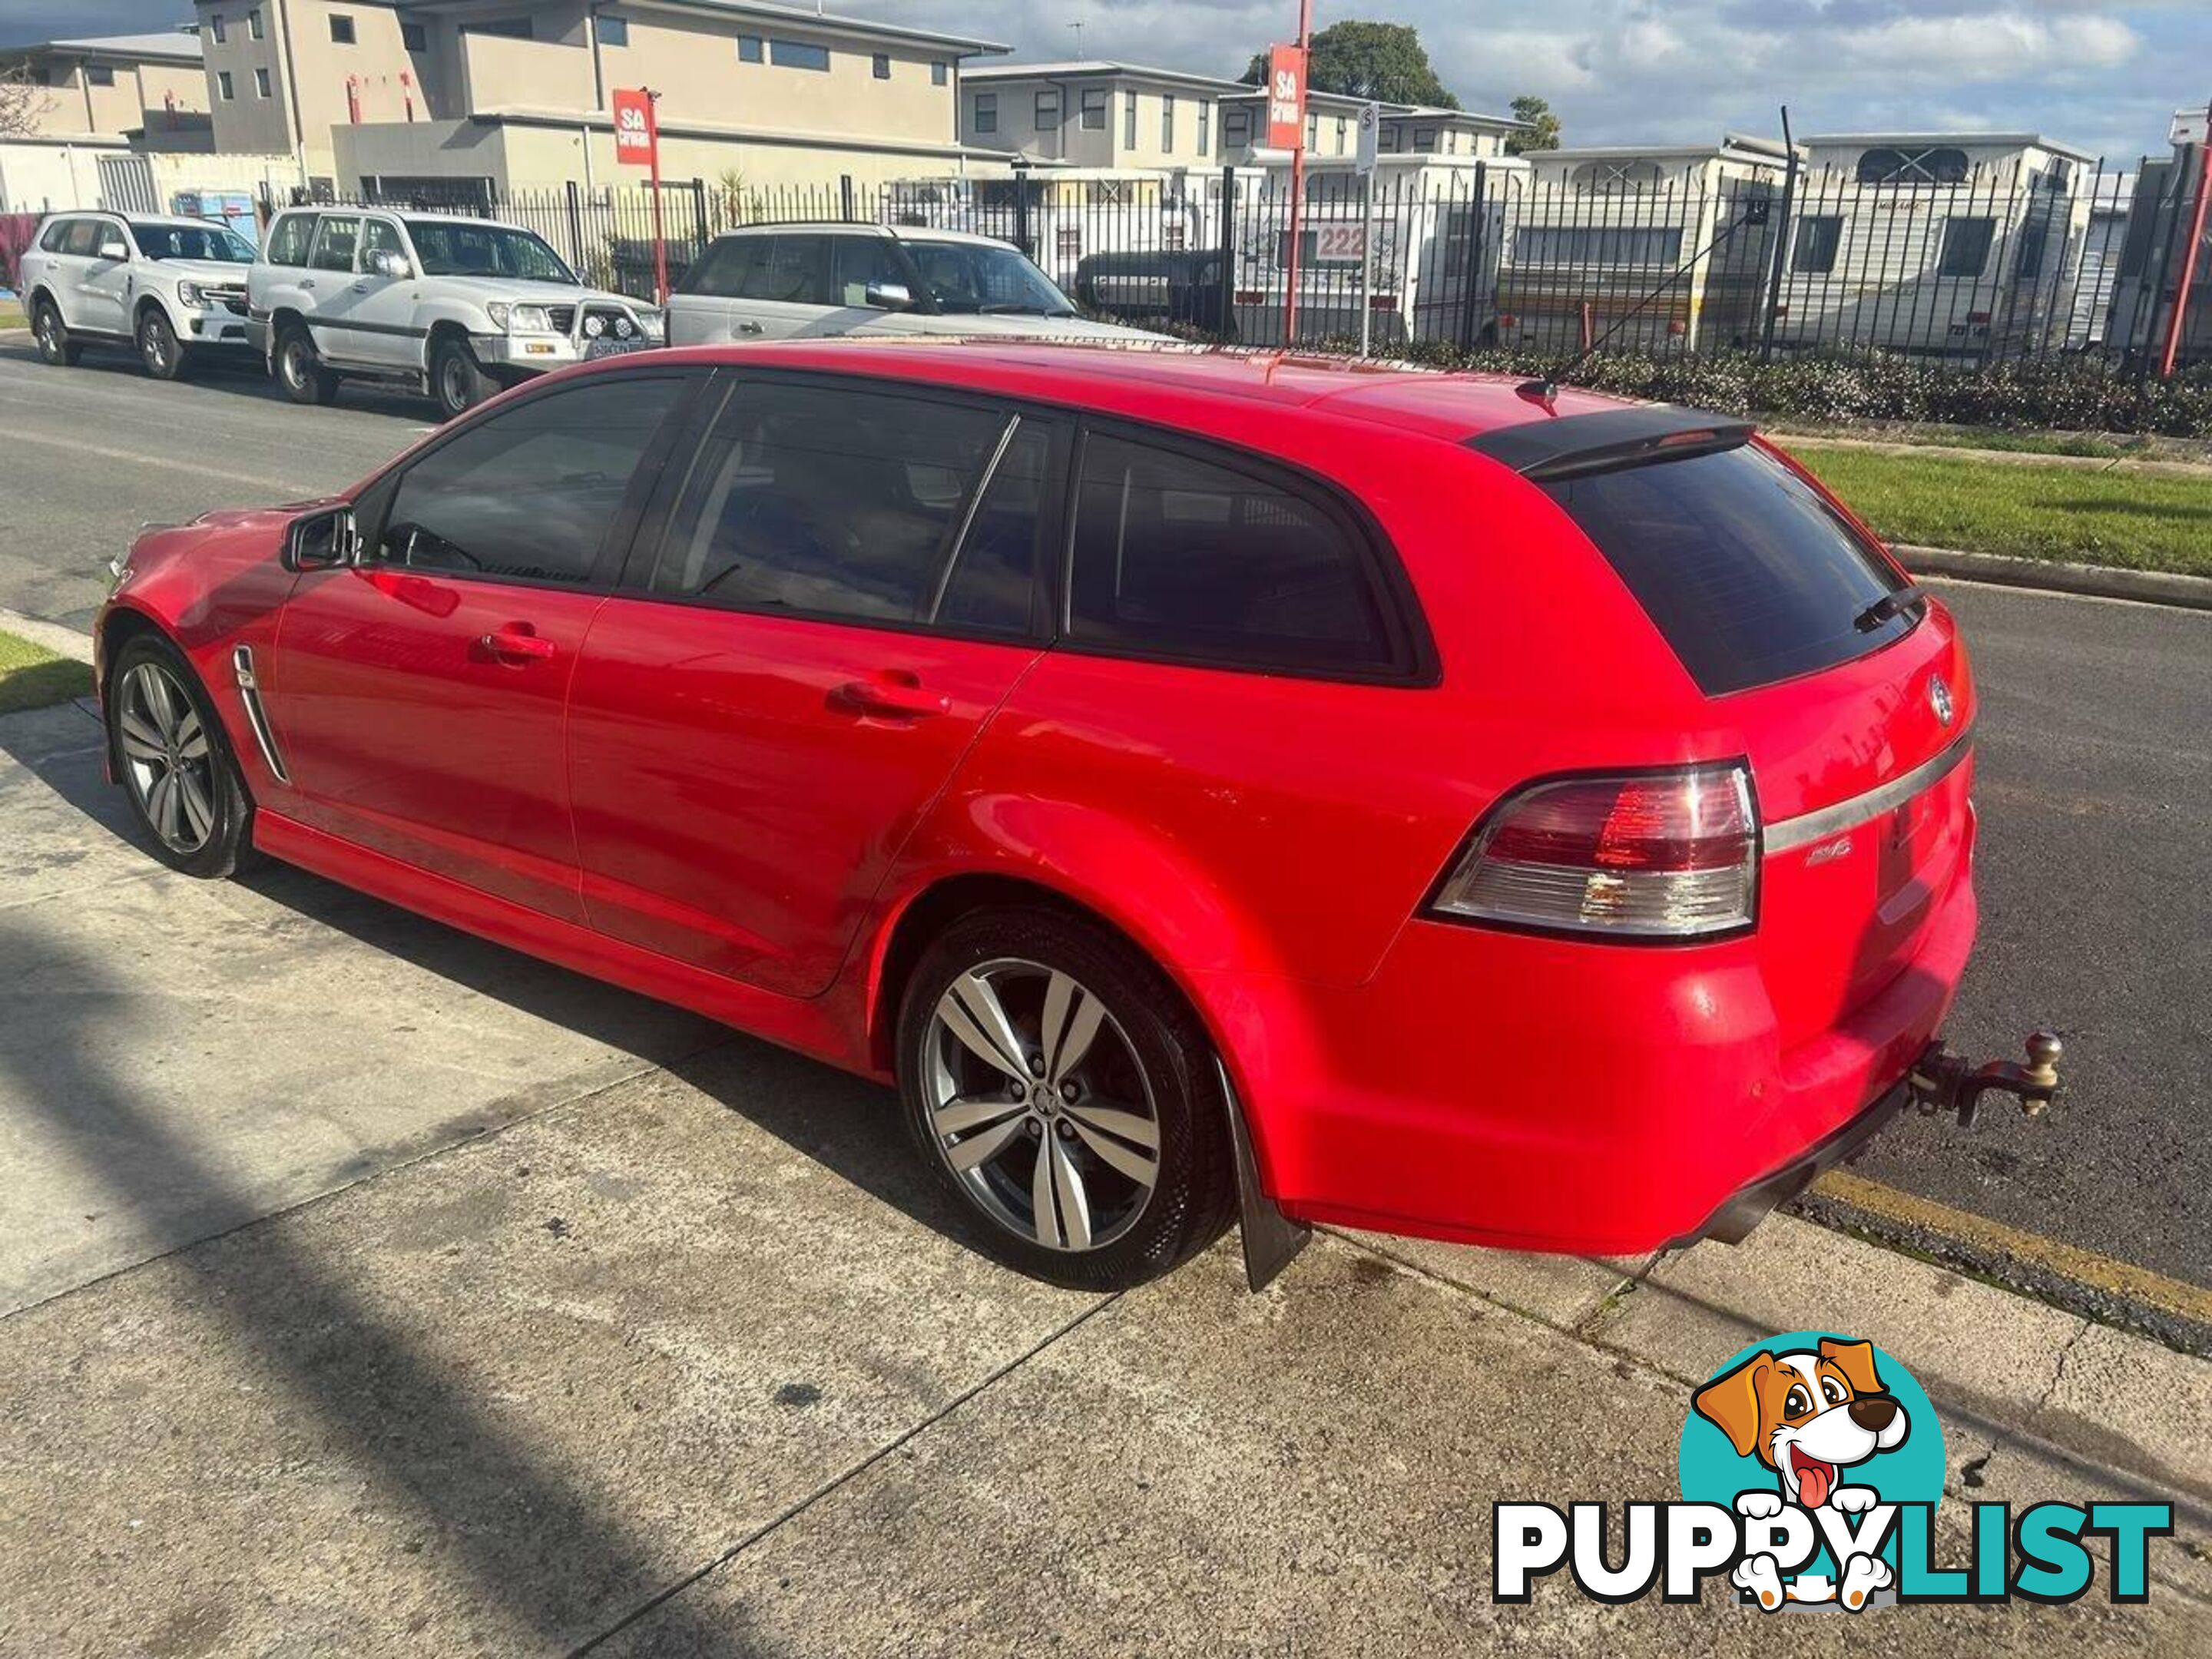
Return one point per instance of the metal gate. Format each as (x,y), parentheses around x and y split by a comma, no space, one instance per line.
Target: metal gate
(126,184)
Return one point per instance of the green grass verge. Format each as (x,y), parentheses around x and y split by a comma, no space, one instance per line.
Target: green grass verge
(31,677)
(2134,520)
(11,315)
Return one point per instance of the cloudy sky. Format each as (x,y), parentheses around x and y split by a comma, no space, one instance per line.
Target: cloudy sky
(2103,76)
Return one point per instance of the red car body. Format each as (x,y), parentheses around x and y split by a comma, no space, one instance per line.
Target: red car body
(725,810)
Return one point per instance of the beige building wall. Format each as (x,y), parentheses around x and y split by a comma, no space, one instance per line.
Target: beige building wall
(135,98)
(1067,140)
(247,120)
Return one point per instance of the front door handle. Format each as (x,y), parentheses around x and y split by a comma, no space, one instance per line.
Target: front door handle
(749,328)
(901,699)
(307,282)
(360,288)
(512,644)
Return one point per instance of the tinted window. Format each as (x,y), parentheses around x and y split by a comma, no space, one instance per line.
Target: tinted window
(192,242)
(993,573)
(794,270)
(381,236)
(530,493)
(722,272)
(865,262)
(798,54)
(1818,239)
(1188,559)
(460,247)
(1965,247)
(288,243)
(55,233)
(1744,569)
(335,239)
(85,236)
(833,503)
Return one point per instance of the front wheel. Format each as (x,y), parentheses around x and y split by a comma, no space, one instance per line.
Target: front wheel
(1065,1093)
(458,380)
(173,762)
(159,349)
(300,372)
(55,346)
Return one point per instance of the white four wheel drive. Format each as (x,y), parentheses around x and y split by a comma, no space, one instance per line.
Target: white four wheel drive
(174,289)
(455,308)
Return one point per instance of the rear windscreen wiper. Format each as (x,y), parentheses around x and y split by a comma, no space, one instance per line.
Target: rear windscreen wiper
(1889,605)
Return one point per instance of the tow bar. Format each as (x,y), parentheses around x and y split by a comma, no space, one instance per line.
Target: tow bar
(1945,1082)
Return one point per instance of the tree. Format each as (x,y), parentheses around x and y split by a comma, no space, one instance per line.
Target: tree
(23,99)
(1383,61)
(1538,114)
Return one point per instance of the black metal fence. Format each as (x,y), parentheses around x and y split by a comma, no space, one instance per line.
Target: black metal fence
(1998,263)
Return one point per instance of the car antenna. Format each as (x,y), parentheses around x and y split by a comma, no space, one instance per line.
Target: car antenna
(1544,388)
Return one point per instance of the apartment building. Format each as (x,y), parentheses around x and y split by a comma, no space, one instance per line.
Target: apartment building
(115,89)
(490,94)
(1095,113)
(1333,129)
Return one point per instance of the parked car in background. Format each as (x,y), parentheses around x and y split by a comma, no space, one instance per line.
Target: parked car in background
(455,308)
(1539,823)
(778,281)
(1158,288)
(174,290)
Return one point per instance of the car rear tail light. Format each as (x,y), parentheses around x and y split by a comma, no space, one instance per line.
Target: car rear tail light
(1656,855)
(1507,319)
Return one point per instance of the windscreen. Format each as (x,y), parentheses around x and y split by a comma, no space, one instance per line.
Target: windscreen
(192,242)
(977,277)
(452,248)
(1746,570)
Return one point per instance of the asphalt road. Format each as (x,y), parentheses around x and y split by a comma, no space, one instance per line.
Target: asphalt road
(2095,790)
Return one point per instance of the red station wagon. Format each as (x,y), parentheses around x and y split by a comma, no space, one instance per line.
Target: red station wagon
(1383,797)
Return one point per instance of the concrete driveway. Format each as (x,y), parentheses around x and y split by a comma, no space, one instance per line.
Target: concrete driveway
(370,1289)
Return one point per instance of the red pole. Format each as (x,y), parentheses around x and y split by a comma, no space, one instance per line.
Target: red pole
(660,237)
(2174,329)
(1298,176)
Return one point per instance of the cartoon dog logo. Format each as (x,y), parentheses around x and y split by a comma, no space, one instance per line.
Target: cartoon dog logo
(1807,1415)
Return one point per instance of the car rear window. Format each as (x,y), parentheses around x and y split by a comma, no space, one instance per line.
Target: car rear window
(1749,574)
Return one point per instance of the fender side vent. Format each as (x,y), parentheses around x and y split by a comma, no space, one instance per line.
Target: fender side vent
(249,693)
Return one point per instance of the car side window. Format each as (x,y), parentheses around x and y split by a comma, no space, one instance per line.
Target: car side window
(866,262)
(83,239)
(794,269)
(721,274)
(288,243)
(380,236)
(530,493)
(1185,558)
(843,502)
(56,234)
(336,238)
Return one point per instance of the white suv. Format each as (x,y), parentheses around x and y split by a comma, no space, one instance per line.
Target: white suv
(774,281)
(172,288)
(455,307)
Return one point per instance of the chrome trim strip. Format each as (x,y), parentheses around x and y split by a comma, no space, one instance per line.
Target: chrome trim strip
(249,693)
(1786,835)
(968,518)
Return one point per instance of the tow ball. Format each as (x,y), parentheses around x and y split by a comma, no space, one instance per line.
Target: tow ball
(1947,1082)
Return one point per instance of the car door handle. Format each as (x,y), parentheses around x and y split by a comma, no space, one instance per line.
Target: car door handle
(898,698)
(360,288)
(512,644)
(307,281)
(749,328)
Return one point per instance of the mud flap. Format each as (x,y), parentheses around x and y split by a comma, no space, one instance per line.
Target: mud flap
(1272,1239)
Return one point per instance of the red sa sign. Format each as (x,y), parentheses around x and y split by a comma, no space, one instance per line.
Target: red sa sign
(637,135)
(1286,98)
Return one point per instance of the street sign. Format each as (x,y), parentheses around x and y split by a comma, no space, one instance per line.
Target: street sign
(1286,98)
(1370,124)
(637,135)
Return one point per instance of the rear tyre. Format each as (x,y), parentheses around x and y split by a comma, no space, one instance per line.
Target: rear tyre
(1065,1094)
(457,380)
(55,346)
(172,761)
(299,371)
(159,349)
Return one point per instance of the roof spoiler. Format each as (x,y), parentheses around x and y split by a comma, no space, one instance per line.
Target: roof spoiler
(1570,445)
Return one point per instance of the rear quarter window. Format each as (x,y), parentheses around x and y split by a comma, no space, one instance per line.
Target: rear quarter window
(1748,574)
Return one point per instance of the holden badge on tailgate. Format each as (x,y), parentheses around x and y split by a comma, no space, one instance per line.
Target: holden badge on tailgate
(1939,698)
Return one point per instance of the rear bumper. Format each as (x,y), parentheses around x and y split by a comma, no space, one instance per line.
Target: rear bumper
(1539,1094)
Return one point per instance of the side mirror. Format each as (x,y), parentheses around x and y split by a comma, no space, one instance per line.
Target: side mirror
(322,540)
(386,263)
(888,296)
(115,251)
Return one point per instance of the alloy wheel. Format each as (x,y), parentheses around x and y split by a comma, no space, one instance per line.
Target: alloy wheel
(1038,1104)
(154,344)
(166,758)
(295,363)
(50,332)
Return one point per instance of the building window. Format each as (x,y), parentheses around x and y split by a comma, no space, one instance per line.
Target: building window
(1965,247)
(937,72)
(223,86)
(1205,126)
(1236,128)
(1818,239)
(798,54)
(416,37)
(1167,124)
(261,83)
(512,28)
(751,49)
(1094,109)
(882,66)
(340,30)
(1387,139)
(1048,110)
(986,112)
(253,23)
(1943,166)
(1313,132)
(614,31)
(1340,135)
(215,27)
(100,75)
(1424,139)
(1128,120)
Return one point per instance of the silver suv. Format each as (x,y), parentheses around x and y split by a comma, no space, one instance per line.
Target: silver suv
(775,282)
(455,307)
(172,288)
